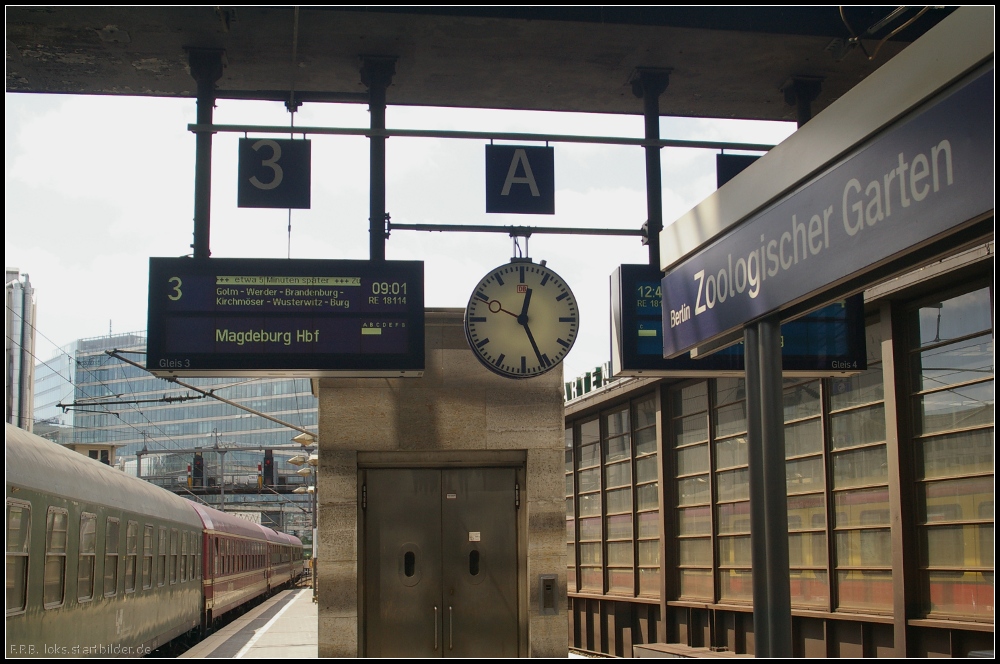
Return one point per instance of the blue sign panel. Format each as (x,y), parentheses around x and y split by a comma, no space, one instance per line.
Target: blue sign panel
(826,342)
(914,184)
(520,179)
(249,317)
(274,173)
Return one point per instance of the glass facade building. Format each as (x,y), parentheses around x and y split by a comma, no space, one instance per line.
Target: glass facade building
(889,476)
(123,405)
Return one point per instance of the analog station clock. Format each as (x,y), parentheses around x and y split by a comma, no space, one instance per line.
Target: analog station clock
(522,319)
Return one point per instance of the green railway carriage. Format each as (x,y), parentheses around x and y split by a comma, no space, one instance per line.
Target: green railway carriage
(98,563)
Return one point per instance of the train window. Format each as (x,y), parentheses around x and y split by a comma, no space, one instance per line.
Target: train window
(86,561)
(173,555)
(194,547)
(18,539)
(54,581)
(111,542)
(161,557)
(131,553)
(147,557)
(184,553)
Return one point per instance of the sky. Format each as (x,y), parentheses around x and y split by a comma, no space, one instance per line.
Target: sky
(96,185)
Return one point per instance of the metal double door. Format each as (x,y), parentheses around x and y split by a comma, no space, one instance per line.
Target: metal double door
(440,556)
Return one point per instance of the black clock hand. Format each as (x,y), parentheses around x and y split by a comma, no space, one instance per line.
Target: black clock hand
(523,318)
(534,346)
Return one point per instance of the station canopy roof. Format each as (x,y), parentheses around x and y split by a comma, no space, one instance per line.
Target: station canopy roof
(724,62)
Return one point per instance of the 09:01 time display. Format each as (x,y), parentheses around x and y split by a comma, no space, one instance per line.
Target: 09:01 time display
(388,288)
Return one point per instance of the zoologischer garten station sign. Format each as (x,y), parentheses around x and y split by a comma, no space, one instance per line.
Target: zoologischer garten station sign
(914,183)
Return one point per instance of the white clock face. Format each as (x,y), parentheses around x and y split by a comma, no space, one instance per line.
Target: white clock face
(522,320)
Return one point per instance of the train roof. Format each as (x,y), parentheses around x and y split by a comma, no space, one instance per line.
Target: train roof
(40,465)
(230,524)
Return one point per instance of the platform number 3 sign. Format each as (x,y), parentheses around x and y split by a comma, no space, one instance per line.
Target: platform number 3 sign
(274,173)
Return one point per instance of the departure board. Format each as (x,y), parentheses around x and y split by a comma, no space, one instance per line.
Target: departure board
(826,342)
(272,317)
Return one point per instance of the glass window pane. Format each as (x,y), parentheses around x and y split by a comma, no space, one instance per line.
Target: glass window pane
(804,475)
(731,420)
(962,546)
(803,438)
(689,430)
(734,518)
(966,406)
(856,390)
(619,500)
(736,584)
(617,423)
(729,390)
(690,399)
(733,484)
(858,467)
(619,474)
(591,578)
(649,524)
(734,551)
(810,588)
(957,317)
(590,554)
(647,497)
(589,455)
(951,593)
(865,589)
(649,581)
(695,551)
(693,490)
(590,504)
(590,529)
(620,554)
(694,521)
(731,452)
(589,480)
(692,459)
(955,454)
(858,427)
(696,583)
(645,412)
(590,432)
(801,401)
(646,469)
(867,507)
(621,580)
(649,552)
(620,526)
(868,547)
(807,549)
(807,511)
(950,500)
(645,441)
(961,362)
(616,449)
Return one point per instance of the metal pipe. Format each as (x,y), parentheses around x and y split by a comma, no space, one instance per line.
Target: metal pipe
(481,135)
(649,85)
(755,468)
(376,73)
(206,69)
(518,231)
(775,507)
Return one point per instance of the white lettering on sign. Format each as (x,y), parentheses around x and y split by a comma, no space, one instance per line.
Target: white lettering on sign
(520,157)
(271,163)
(905,183)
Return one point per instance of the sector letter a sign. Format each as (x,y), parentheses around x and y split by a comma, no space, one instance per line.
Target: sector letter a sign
(520,179)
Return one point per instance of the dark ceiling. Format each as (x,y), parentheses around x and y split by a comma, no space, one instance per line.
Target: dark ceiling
(725,61)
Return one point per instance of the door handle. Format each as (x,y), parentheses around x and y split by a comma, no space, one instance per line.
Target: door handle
(435,628)
(451,629)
